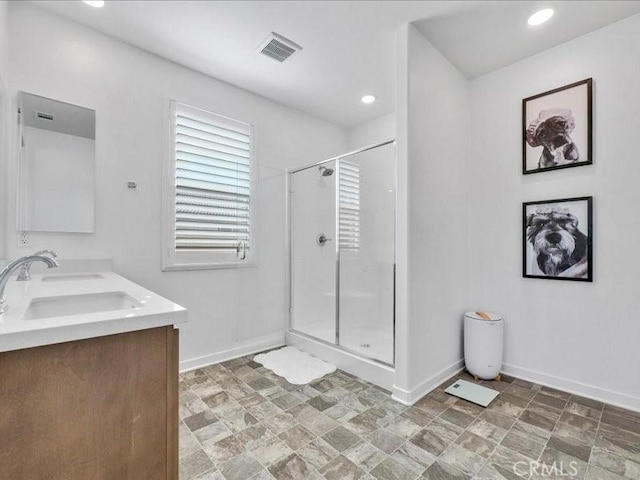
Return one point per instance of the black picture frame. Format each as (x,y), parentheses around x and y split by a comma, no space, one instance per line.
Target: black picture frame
(578,146)
(536,222)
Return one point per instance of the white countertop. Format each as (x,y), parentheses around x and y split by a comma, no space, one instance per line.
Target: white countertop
(17,332)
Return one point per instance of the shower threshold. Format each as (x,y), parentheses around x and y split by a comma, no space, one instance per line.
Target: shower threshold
(351,362)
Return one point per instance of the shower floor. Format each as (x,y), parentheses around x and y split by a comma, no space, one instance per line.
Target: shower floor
(371,341)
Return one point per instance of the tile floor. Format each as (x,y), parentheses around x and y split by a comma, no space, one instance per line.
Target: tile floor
(241,422)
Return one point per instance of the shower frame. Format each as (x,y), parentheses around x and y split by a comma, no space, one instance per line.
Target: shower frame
(337,344)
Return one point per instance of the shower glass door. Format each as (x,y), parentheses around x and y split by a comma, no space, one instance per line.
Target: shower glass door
(367,186)
(313,251)
(342,225)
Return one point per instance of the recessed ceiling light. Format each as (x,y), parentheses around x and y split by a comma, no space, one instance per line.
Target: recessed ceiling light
(368,99)
(540,17)
(94,3)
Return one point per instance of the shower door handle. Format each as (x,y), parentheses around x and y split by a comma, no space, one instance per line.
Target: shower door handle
(322,239)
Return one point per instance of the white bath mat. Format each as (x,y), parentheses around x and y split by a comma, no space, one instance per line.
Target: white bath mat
(295,366)
(483,396)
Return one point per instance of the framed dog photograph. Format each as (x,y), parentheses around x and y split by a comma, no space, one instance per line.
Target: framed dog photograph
(557,128)
(557,239)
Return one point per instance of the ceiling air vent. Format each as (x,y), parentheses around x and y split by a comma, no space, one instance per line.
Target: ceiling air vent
(278,47)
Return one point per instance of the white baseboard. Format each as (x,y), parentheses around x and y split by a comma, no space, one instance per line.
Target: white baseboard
(589,391)
(409,397)
(255,345)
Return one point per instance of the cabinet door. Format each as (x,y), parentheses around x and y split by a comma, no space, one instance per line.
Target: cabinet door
(173,356)
(99,409)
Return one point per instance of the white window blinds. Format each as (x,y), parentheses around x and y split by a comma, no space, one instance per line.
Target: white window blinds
(212,183)
(349,206)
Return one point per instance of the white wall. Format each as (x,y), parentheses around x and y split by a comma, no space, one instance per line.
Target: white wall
(459,200)
(4,38)
(435,107)
(578,336)
(4,109)
(402,387)
(130,90)
(375,131)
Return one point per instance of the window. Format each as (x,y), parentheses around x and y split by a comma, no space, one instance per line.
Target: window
(349,207)
(209,221)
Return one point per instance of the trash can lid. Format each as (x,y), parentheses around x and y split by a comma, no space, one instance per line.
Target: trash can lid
(476,316)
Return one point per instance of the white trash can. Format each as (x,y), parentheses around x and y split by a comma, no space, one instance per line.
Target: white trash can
(483,344)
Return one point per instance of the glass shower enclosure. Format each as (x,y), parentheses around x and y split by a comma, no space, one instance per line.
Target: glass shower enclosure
(342,251)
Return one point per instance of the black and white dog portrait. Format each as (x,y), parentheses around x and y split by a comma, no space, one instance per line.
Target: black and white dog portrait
(557,128)
(552,131)
(557,239)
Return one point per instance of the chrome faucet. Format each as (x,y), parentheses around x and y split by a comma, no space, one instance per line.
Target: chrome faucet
(25,268)
(6,274)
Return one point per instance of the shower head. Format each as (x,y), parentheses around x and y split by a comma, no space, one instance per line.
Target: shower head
(326,172)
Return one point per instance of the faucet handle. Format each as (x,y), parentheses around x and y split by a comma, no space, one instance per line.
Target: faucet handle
(25,268)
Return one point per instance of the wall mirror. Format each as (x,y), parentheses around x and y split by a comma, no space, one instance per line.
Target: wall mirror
(56,172)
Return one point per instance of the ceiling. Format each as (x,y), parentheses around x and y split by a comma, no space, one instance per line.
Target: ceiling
(348,46)
(484,39)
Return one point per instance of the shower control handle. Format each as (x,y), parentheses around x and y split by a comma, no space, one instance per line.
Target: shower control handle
(322,239)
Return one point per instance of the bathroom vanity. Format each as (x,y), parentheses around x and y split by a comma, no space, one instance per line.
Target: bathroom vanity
(88,380)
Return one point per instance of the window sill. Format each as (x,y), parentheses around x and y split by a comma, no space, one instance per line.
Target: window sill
(208,266)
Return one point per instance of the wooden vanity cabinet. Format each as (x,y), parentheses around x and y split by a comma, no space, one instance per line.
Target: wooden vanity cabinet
(103,408)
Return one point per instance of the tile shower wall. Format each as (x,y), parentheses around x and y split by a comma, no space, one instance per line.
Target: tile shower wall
(129,89)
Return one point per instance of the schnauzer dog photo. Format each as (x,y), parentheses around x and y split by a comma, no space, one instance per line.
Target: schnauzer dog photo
(557,128)
(557,239)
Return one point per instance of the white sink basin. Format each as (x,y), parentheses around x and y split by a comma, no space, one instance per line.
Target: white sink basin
(63,306)
(79,305)
(72,277)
